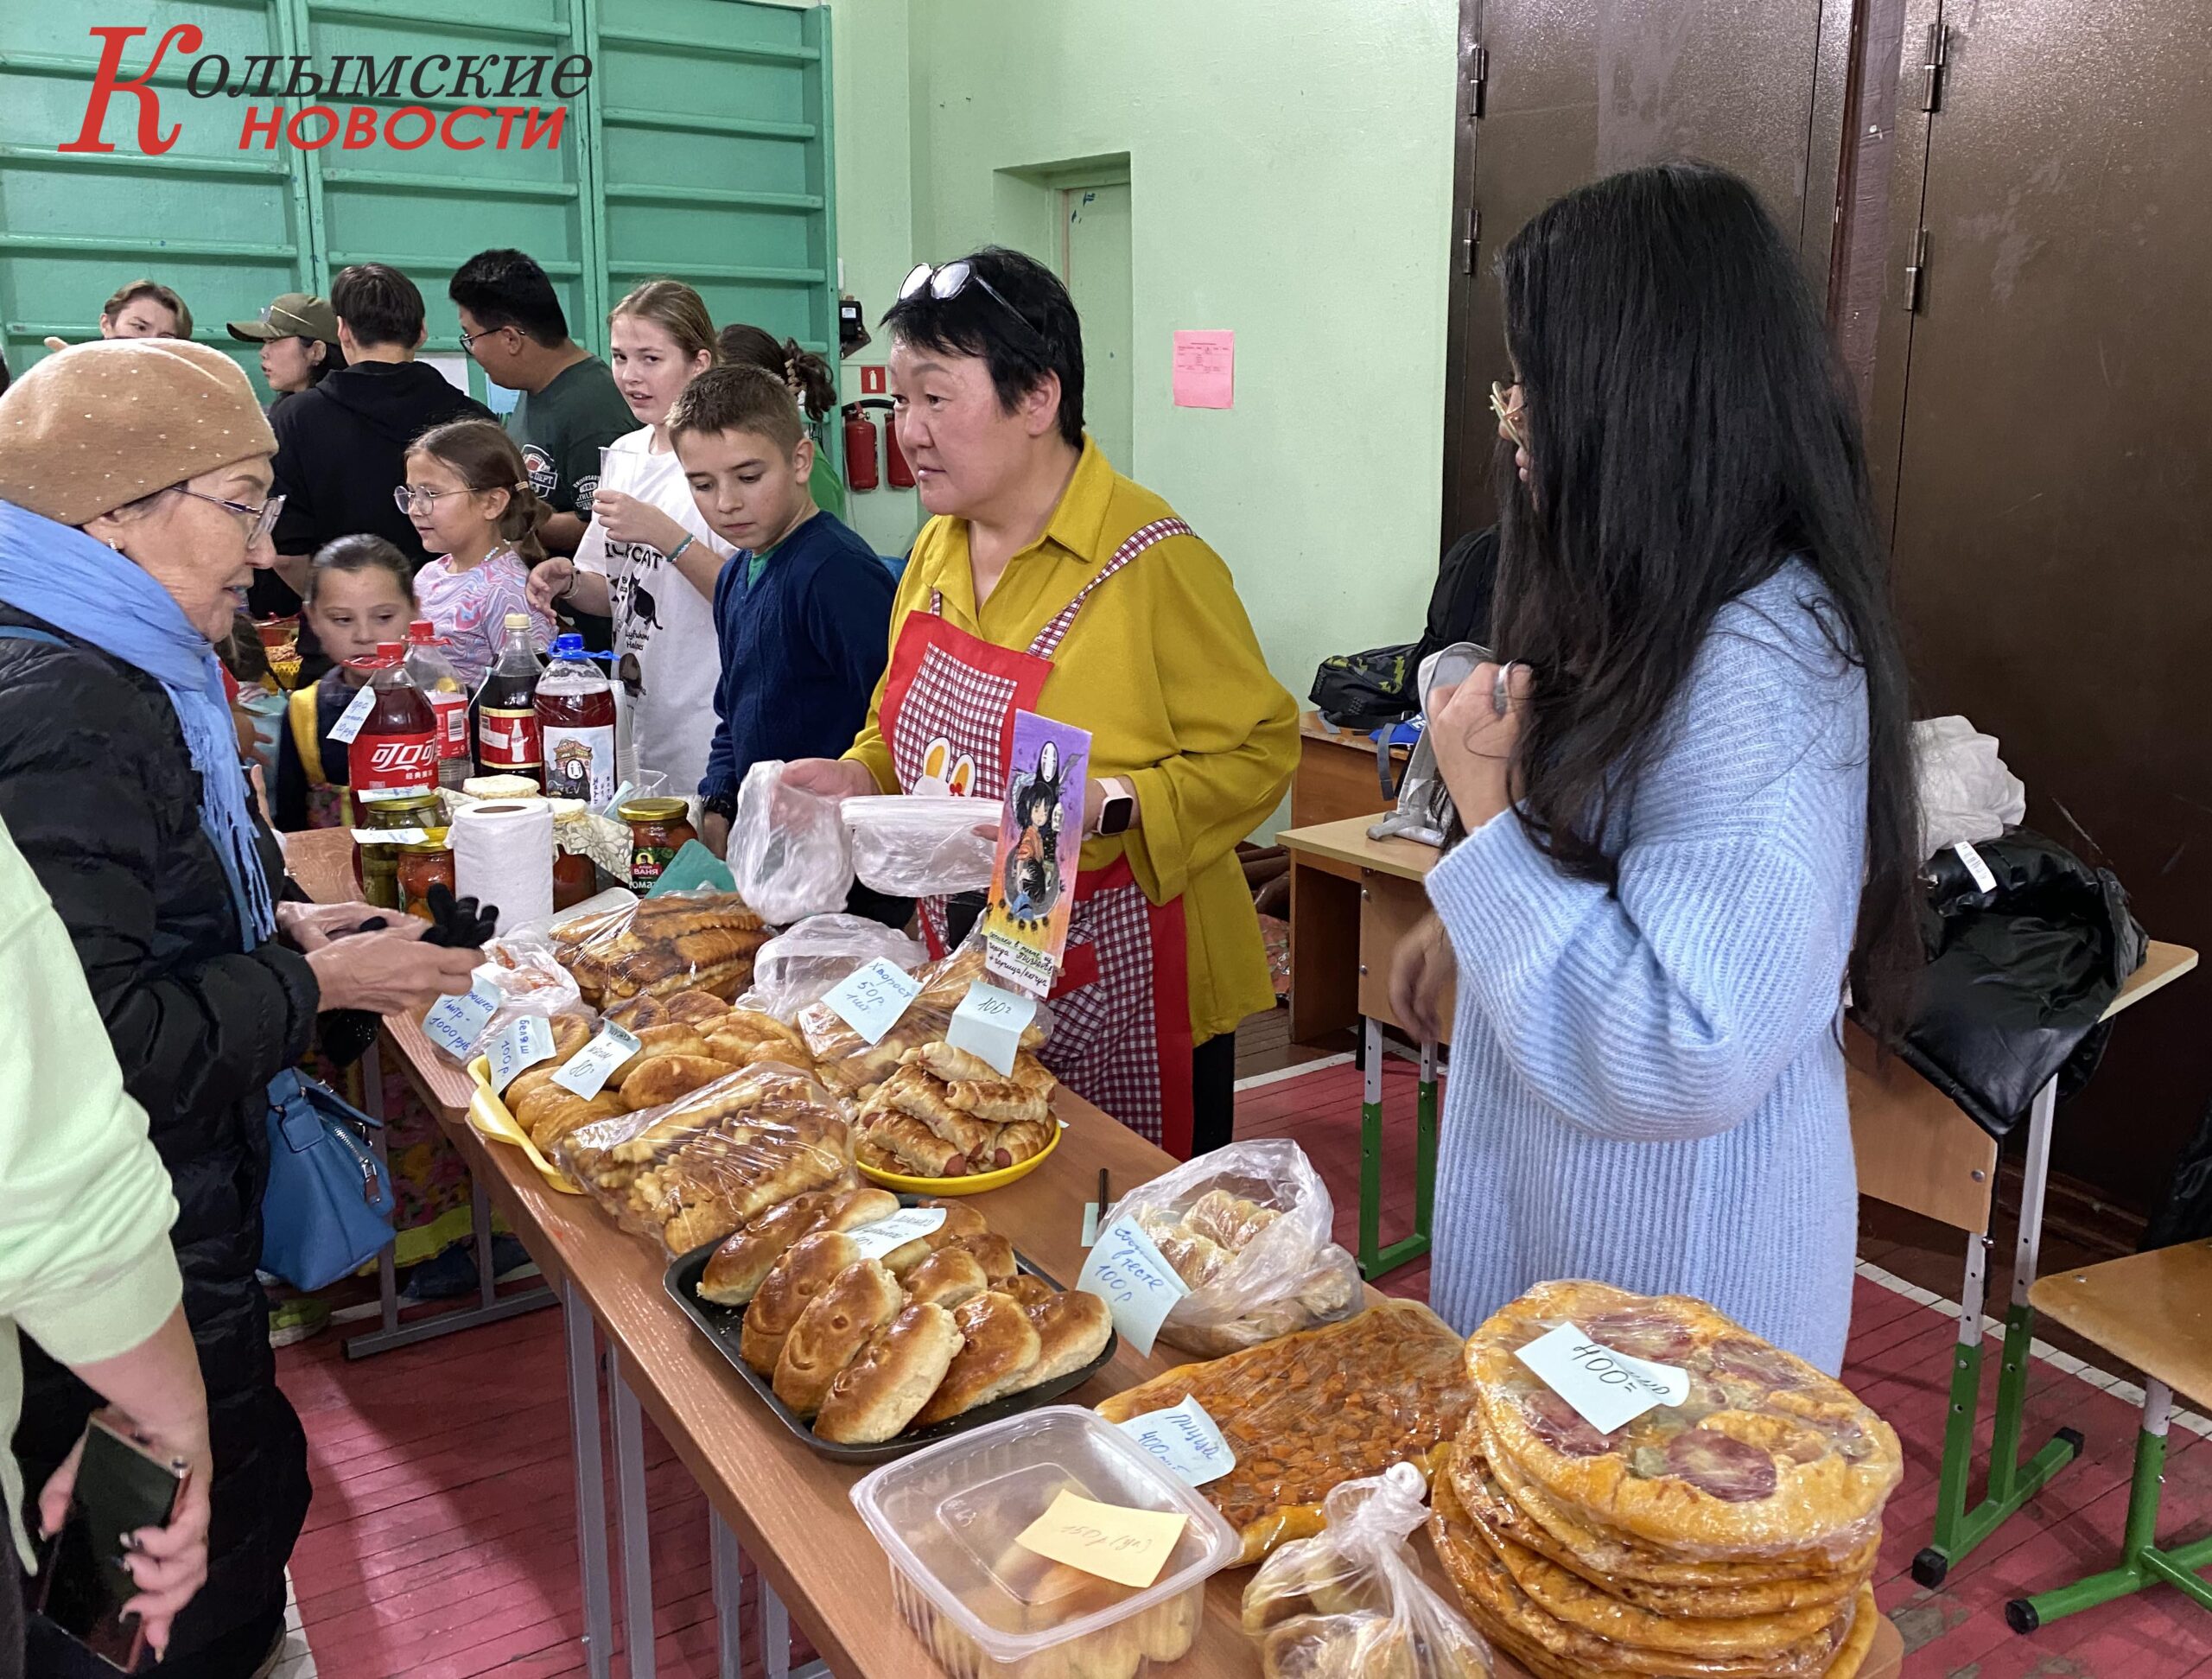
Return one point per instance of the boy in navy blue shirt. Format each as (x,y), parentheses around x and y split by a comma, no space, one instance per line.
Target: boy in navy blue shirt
(802,610)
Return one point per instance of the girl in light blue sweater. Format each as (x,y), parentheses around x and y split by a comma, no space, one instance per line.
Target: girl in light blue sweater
(1674,792)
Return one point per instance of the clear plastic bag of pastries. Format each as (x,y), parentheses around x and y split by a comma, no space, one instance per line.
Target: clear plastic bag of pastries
(1313,1409)
(1248,1228)
(854,1067)
(684,941)
(1350,1603)
(695,1170)
(1733,1534)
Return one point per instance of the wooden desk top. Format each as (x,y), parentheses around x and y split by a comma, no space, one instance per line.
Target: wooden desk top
(1314,726)
(790,1509)
(2162,966)
(1347,842)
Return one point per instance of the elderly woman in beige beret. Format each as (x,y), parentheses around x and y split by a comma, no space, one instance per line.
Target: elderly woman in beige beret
(135,507)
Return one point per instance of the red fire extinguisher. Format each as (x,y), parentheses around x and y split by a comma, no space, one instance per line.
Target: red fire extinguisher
(859,449)
(859,446)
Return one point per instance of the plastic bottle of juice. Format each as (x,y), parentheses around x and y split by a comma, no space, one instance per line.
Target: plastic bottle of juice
(507,741)
(576,721)
(434,674)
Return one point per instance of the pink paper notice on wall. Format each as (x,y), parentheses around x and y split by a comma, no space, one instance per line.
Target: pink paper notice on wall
(1205,370)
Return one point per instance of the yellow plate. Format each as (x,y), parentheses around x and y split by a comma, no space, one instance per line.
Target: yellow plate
(488,1117)
(975,1185)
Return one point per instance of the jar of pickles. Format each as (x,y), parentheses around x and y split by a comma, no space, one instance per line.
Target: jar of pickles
(422,867)
(658,830)
(410,819)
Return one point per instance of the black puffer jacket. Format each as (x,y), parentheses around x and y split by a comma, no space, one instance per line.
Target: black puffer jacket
(99,791)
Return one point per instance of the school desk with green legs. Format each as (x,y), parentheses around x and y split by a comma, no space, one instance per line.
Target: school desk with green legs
(1917,1150)
(1352,900)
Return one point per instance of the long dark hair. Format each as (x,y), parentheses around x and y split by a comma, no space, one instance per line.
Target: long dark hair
(1689,433)
(804,373)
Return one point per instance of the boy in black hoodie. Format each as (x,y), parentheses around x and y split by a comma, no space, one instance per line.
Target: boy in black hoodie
(342,447)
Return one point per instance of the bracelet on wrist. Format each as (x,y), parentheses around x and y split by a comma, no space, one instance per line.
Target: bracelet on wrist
(678,551)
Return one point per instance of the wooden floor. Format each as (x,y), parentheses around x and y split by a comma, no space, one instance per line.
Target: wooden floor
(442,1540)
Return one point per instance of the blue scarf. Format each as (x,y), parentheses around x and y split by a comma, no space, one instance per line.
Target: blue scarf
(57,573)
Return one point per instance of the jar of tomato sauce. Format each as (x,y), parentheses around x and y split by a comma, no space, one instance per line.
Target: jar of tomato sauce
(659,828)
(422,867)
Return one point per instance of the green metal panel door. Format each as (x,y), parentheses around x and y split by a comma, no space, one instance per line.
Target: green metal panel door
(1095,263)
(700,149)
(225,228)
(427,210)
(714,158)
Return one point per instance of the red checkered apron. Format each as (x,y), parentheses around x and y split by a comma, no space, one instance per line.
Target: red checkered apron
(1122,1012)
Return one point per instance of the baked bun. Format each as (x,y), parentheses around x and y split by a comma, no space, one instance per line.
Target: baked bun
(960,1220)
(662,1078)
(1023,1139)
(1029,1290)
(996,1253)
(922,1153)
(852,1208)
(999,1348)
(555,1119)
(694,1007)
(1072,1329)
(736,1271)
(808,1266)
(639,1012)
(951,1277)
(670,1038)
(528,1083)
(831,1332)
(570,1033)
(876,1396)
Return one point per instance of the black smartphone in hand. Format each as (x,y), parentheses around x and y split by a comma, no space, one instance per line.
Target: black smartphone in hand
(121,1486)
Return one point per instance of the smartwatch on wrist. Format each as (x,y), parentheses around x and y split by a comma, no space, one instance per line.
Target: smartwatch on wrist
(1119,808)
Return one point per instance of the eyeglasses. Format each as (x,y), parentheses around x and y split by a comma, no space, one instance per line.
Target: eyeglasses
(949,282)
(408,497)
(468,340)
(1509,414)
(260,518)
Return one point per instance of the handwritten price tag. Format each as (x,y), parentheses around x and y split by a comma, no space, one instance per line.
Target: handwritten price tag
(350,721)
(989,1022)
(889,1235)
(586,1071)
(1609,1388)
(453,1022)
(1128,1547)
(526,1040)
(1184,1439)
(872,998)
(1125,1271)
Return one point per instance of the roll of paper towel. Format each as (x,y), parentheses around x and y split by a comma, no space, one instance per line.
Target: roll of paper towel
(503,854)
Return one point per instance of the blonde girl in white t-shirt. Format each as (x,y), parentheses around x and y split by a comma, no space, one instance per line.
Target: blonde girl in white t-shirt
(647,559)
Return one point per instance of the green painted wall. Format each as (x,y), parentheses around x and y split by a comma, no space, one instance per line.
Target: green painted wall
(1290,170)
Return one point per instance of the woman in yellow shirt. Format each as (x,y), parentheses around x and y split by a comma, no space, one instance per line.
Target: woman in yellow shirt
(1048,583)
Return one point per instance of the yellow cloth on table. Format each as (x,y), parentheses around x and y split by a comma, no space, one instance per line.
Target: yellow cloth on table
(1163,668)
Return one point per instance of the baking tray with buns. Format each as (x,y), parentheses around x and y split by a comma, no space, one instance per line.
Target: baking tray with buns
(724,1326)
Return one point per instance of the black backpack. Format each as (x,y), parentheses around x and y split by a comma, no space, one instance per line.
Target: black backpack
(1369,690)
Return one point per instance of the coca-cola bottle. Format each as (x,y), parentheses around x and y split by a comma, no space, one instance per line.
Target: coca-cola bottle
(434,674)
(396,753)
(575,720)
(506,708)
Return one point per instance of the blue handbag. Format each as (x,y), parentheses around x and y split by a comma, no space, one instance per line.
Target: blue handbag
(326,1210)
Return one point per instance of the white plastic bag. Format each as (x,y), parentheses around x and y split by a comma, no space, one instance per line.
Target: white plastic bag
(913,847)
(1352,1599)
(787,849)
(796,967)
(1966,791)
(1248,1227)
(530,980)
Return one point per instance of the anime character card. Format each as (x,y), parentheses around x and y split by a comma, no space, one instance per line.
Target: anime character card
(1041,839)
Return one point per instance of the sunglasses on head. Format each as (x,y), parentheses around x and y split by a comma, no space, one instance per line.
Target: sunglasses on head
(948,281)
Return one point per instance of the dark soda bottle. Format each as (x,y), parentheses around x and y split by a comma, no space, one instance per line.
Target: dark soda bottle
(395,754)
(575,720)
(507,741)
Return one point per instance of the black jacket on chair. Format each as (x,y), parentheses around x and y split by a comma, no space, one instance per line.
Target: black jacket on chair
(97,789)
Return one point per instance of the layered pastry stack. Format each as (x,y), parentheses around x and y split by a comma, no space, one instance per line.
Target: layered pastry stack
(1730,1536)
(867,1348)
(701,1167)
(946,1113)
(686,941)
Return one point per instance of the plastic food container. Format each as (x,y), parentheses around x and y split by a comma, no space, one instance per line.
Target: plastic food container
(947,1518)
